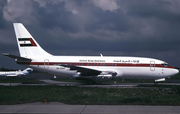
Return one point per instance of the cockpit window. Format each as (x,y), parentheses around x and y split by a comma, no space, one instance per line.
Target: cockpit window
(164,64)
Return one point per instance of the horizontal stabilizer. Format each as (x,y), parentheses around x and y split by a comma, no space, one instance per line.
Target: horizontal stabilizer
(17,58)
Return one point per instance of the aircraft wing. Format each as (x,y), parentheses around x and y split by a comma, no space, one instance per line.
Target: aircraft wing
(90,72)
(7,75)
(11,75)
(84,71)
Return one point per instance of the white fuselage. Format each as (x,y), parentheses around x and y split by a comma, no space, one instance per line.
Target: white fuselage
(11,73)
(125,67)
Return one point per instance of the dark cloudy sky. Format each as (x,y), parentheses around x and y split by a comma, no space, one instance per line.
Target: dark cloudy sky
(145,28)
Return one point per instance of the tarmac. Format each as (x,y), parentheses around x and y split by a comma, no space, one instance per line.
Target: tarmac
(77,84)
(60,108)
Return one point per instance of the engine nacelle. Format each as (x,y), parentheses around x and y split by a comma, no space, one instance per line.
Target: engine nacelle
(77,74)
(105,75)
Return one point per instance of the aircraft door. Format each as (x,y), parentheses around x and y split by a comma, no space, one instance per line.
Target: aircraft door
(152,66)
(46,64)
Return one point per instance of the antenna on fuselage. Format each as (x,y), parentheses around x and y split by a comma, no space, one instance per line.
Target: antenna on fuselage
(101,54)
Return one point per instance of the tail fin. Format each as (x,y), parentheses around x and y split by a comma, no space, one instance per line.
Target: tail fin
(27,71)
(28,47)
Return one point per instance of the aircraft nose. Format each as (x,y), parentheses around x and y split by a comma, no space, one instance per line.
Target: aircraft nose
(175,71)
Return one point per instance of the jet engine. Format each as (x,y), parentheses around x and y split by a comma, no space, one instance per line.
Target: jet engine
(103,76)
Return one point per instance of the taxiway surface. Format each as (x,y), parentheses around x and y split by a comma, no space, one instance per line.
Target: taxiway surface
(103,85)
(60,108)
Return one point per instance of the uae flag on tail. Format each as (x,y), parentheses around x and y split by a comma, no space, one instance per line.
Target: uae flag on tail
(24,42)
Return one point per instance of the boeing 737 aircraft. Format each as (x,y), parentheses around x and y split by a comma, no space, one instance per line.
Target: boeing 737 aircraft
(93,68)
(16,73)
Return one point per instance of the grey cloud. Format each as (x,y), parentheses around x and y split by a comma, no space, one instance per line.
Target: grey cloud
(113,21)
(53,16)
(164,10)
(19,11)
(2,21)
(105,5)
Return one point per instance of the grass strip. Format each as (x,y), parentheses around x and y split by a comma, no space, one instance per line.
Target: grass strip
(90,96)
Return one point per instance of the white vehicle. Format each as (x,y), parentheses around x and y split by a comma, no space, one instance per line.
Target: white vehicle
(16,73)
(93,68)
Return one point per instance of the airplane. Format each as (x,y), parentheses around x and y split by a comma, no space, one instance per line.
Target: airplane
(16,73)
(91,68)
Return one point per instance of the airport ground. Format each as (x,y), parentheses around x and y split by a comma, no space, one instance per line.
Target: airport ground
(60,108)
(78,98)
